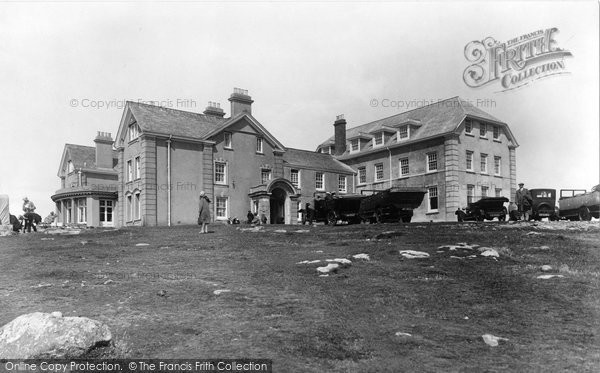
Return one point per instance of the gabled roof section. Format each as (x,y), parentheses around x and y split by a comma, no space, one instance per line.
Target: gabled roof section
(159,120)
(312,160)
(253,122)
(433,120)
(82,157)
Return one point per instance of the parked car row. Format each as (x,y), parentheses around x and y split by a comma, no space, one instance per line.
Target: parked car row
(397,204)
(573,204)
(373,206)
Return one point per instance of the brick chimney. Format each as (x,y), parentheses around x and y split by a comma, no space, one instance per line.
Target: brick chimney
(104,153)
(214,109)
(240,102)
(340,134)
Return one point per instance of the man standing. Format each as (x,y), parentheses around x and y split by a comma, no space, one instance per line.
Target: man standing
(524,200)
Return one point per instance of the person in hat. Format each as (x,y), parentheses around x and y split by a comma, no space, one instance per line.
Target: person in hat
(524,201)
(204,212)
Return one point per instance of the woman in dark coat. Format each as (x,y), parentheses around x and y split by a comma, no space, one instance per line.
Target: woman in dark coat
(204,213)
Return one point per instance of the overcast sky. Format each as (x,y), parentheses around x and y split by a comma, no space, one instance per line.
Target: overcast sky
(303,64)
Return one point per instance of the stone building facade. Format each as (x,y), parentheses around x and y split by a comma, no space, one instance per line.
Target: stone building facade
(451,149)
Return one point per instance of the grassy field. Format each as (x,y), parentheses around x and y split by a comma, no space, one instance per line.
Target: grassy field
(388,314)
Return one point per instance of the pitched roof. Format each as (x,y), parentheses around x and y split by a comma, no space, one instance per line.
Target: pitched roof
(435,119)
(158,119)
(84,156)
(81,156)
(314,160)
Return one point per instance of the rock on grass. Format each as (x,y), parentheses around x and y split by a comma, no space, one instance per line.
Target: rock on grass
(45,335)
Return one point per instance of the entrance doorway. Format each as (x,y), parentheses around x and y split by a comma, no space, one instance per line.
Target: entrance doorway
(277,204)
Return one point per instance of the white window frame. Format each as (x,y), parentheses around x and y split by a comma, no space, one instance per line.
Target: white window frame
(295,174)
(342,184)
(496,133)
(498,192)
(407,165)
(70,167)
(378,139)
(379,172)
(497,165)
(134,131)
(137,206)
(107,205)
(362,175)
(352,142)
(138,170)
(260,145)
(401,131)
(227,140)
(81,210)
(485,190)
(265,172)
(483,163)
(129,171)
(224,173)
(69,211)
(470,193)
(319,180)
(468,126)
(129,207)
(429,197)
(483,130)
(469,160)
(221,214)
(432,159)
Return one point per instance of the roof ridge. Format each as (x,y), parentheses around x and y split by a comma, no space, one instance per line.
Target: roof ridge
(408,111)
(172,109)
(85,146)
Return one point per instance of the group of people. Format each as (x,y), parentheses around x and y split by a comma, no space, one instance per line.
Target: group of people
(29,220)
(255,219)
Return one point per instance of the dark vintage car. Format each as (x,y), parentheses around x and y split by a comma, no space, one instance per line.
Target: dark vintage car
(392,204)
(543,204)
(333,208)
(486,208)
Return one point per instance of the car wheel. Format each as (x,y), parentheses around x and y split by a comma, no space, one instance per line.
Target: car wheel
(584,214)
(502,217)
(406,219)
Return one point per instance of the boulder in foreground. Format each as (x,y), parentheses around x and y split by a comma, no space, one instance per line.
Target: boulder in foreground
(49,335)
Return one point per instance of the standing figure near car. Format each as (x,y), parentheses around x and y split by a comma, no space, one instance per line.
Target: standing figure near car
(524,200)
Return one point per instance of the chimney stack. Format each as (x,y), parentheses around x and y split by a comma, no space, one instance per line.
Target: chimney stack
(104,153)
(340,134)
(240,102)
(214,109)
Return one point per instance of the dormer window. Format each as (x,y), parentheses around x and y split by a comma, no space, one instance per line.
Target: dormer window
(403,133)
(496,133)
(482,130)
(354,145)
(378,139)
(468,126)
(134,131)
(70,167)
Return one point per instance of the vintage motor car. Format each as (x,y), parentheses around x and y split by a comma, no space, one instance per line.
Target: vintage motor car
(543,204)
(486,208)
(577,204)
(392,204)
(332,208)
